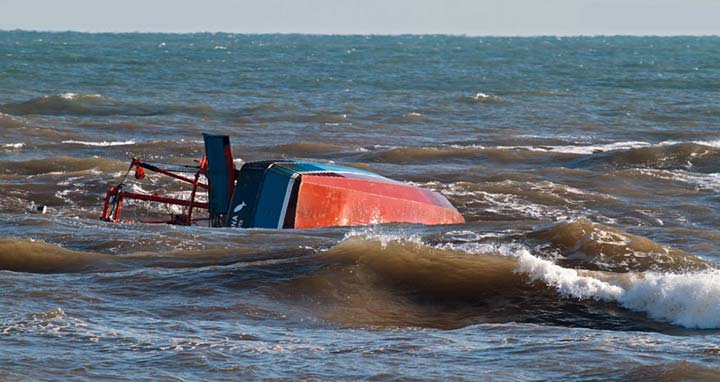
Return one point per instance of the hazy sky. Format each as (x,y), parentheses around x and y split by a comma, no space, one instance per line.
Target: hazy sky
(472,17)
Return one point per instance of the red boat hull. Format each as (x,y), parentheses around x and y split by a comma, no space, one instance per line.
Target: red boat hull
(326,201)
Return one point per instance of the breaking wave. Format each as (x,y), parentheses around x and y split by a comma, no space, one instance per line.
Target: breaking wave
(481,98)
(373,278)
(691,300)
(12,146)
(100,144)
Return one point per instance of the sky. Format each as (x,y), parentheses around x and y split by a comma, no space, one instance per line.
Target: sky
(467,17)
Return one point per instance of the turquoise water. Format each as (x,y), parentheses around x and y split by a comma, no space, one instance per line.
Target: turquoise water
(586,169)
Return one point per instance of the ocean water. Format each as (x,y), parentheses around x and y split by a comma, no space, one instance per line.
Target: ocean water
(586,168)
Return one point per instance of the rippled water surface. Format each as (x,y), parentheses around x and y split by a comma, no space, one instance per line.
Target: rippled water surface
(586,169)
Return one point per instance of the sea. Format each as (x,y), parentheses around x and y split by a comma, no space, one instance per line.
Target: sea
(586,169)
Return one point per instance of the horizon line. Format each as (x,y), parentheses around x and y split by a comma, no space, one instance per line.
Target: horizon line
(470,35)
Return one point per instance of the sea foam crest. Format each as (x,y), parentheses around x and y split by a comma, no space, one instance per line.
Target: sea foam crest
(700,181)
(76,96)
(583,149)
(376,233)
(691,300)
(100,144)
(605,147)
(481,97)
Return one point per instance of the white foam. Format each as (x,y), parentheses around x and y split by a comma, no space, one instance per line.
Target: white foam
(709,182)
(74,96)
(100,144)
(505,204)
(583,149)
(484,97)
(200,196)
(13,145)
(561,190)
(466,147)
(562,137)
(63,194)
(604,147)
(691,300)
(152,206)
(138,189)
(715,143)
(701,181)
(491,247)
(567,281)
(376,233)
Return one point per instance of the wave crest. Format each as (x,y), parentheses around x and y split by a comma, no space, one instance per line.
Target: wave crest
(60,164)
(10,122)
(673,156)
(371,278)
(587,245)
(26,255)
(97,105)
(691,300)
(481,97)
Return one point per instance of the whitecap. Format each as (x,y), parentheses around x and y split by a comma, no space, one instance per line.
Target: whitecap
(604,147)
(100,144)
(73,96)
(709,182)
(691,300)
(582,149)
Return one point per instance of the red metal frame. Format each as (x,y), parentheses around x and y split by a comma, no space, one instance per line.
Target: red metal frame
(115,196)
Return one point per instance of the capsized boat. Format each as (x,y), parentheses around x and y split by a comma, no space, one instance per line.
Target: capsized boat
(285,194)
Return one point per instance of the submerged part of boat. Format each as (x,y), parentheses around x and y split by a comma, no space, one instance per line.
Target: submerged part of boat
(286,194)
